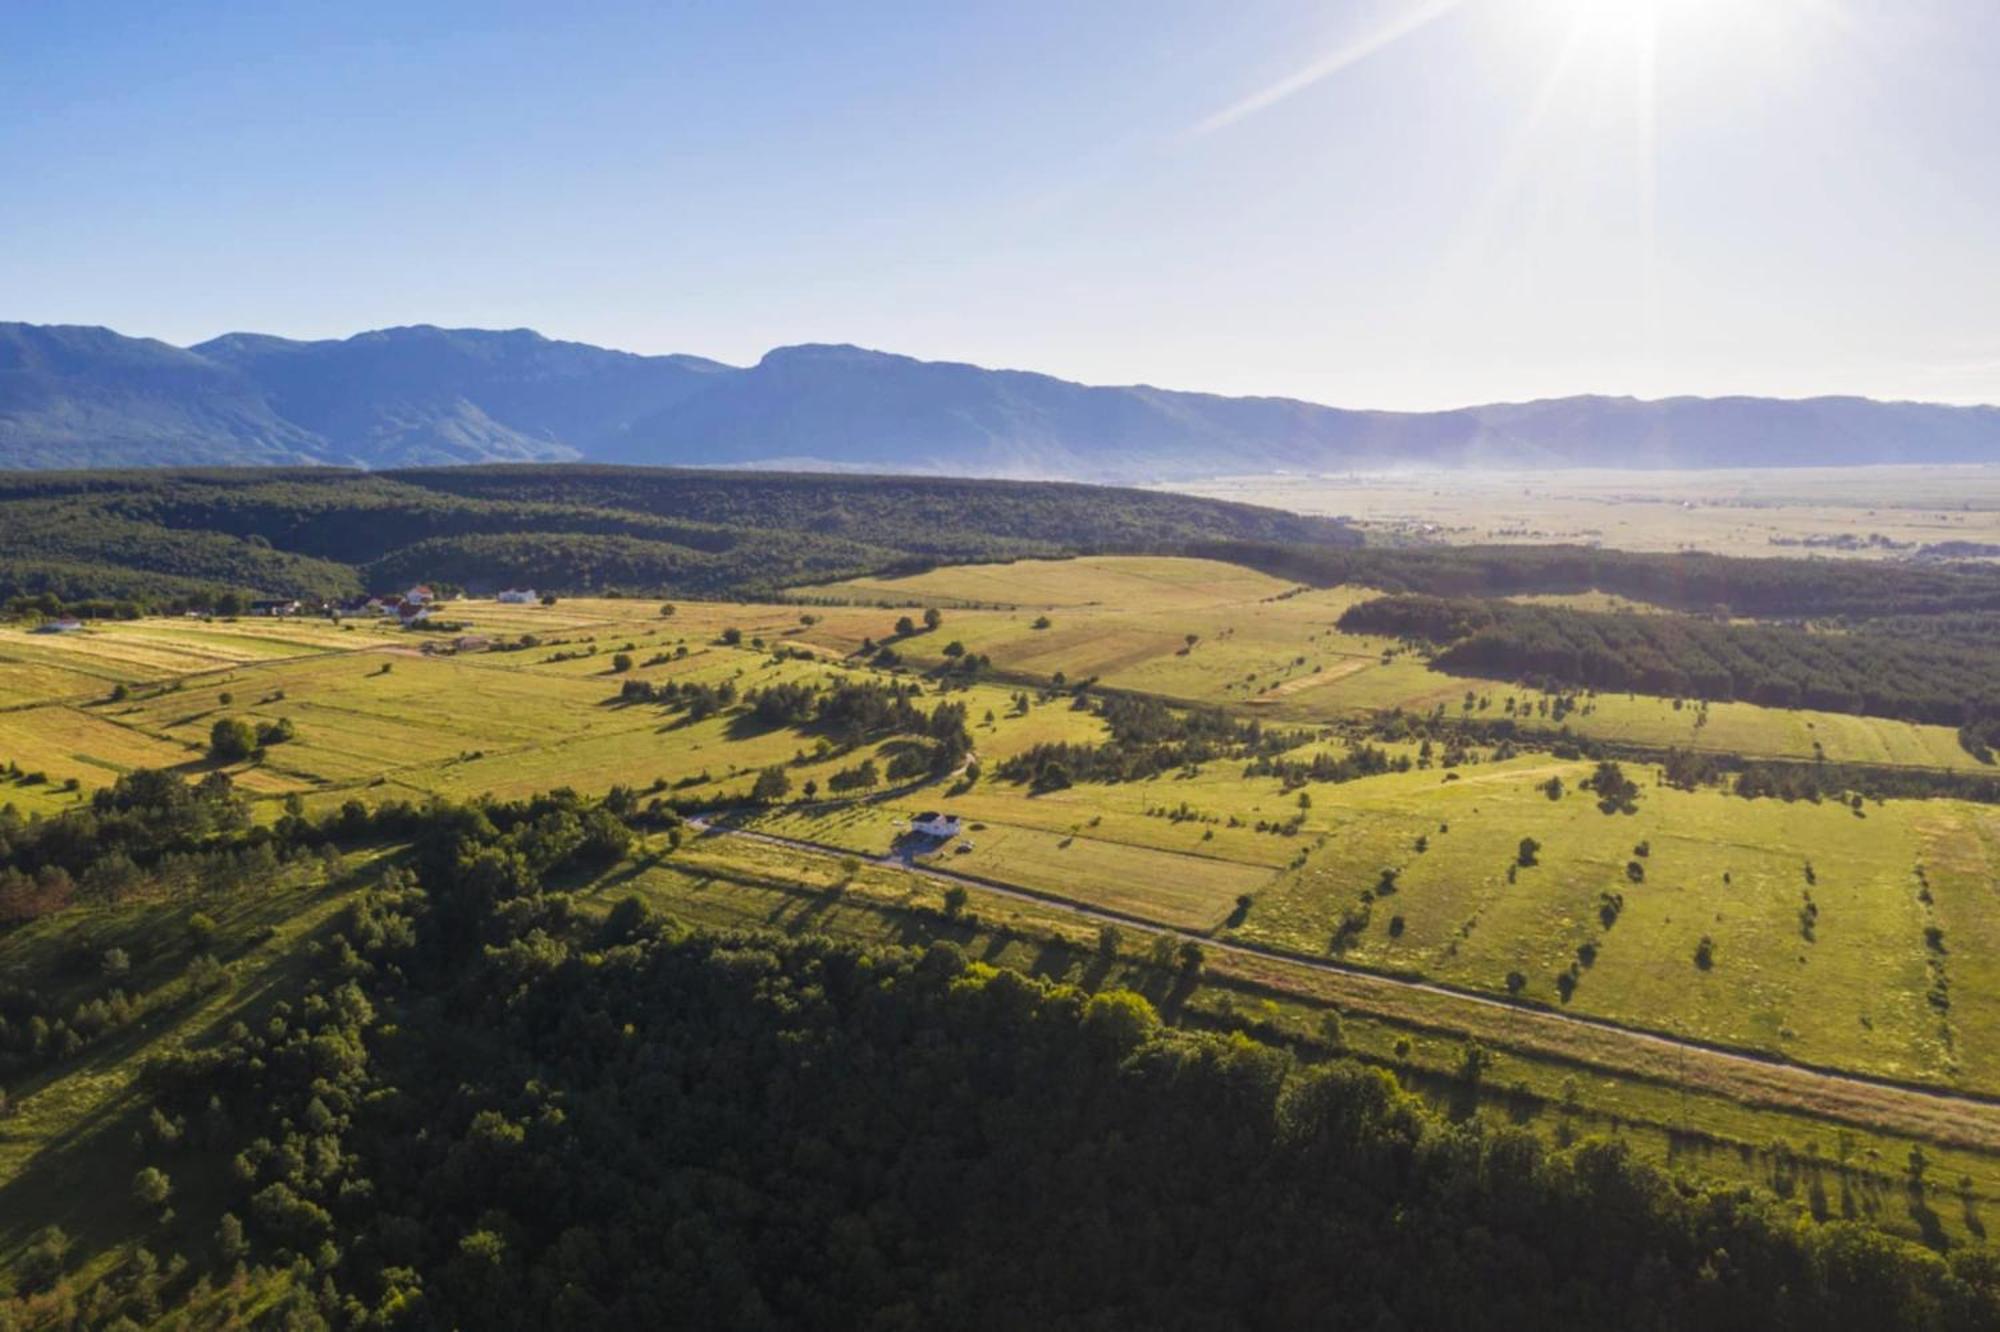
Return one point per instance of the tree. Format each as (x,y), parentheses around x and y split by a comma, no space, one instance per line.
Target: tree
(667,610)
(773,784)
(954,648)
(231,740)
(1042,622)
(955,898)
(905,626)
(151,1187)
(933,617)
(732,636)
(229,1239)
(1516,982)
(1525,855)
(41,1265)
(1704,953)
(229,603)
(1615,791)
(1119,1018)
(621,662)
(1108,939)
(1191,955)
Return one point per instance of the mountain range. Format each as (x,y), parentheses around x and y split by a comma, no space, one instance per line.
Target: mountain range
(74,397)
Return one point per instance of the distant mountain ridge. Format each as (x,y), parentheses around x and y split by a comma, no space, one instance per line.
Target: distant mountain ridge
(73,396)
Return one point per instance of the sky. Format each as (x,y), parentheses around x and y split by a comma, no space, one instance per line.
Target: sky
(1373,203)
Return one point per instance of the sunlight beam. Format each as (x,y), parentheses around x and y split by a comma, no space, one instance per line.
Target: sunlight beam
(1328,65)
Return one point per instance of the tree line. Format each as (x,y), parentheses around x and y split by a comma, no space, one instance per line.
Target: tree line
(1944,680)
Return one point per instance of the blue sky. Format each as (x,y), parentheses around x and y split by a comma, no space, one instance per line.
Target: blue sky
(1398,203)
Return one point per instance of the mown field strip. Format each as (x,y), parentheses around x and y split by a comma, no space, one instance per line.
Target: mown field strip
(1951,1119)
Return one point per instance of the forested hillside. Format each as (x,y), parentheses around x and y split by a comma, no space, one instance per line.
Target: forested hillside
(171,537)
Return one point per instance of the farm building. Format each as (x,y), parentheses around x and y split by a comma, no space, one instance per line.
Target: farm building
(472,643)
(518,596)
(932,824)
(68,624)
(278,606)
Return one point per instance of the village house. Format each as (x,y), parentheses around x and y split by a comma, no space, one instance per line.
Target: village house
(421,594)
(412,613)
(932,824)
(68,624)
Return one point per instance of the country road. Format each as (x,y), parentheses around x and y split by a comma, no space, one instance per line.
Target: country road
(1941,1116)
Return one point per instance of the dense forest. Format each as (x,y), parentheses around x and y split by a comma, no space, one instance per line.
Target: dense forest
(488,1106)
(179,537)
(170,538)
(1703,584)
(1943,679)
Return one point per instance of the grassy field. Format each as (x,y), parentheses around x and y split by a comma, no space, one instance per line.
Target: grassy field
(1791,511)
(1266,646)
(1872,989)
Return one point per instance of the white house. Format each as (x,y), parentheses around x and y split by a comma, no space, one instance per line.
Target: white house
(932,824)
(421,594)
(518,596)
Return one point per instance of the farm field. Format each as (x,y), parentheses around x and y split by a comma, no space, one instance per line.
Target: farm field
(1859,940)
(377,719)
(1832,511)
(1267,645)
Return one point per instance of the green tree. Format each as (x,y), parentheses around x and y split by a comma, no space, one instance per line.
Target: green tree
(151,1187)
(933,617)
(229,1239)
(231,740)
(773,784)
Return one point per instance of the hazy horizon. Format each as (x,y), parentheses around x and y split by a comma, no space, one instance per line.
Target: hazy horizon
(1389,204)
